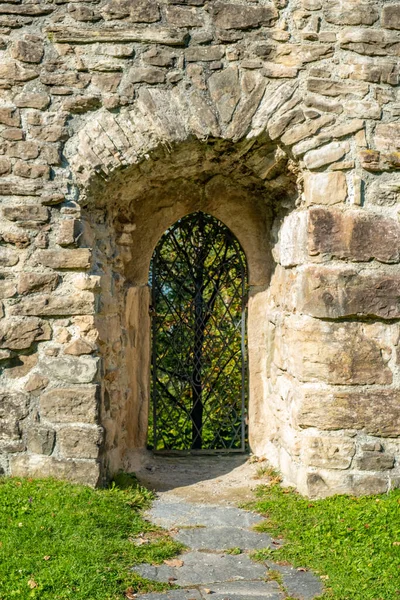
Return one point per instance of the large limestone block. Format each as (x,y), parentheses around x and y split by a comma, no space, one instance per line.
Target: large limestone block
(351,12)
(353,234)
(81,303)
(70,405)
(387,137)
(331,452)
(376,412)
(292,247)
(334,292)
(335,353)
(17,333)
(72,369)
(79,441)
(239,16)
(86,472)
(391,16)
(326,482)
(65,259)
(325,188)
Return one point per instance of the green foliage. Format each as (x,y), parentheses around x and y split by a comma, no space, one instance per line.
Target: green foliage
(198,276)
(352,543)
(60,541)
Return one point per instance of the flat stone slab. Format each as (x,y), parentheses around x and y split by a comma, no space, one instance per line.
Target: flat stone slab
(173,595)
(303,585)
(245,590)
(202,568)
(175,514)
(223,538)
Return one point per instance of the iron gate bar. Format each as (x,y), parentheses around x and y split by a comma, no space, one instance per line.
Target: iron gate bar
(199,282)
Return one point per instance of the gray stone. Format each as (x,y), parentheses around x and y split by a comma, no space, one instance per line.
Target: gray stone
(245,590)
(202,568)
(70,405)
(301,584)
(40,440)
(175,514)
(223,538)
(71,369)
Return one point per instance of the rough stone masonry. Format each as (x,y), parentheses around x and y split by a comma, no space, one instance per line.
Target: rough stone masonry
(118,117)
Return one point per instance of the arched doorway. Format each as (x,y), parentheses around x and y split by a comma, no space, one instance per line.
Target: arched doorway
(199,393)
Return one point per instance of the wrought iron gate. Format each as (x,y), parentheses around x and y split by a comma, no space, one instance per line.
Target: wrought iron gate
(199,373)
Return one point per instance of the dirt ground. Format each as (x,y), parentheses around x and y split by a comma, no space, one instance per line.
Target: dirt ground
(214,479)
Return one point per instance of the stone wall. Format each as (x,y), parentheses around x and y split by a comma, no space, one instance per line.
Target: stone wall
(282,118)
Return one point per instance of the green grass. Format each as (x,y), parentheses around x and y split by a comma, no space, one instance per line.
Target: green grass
(353,543)
(62,541)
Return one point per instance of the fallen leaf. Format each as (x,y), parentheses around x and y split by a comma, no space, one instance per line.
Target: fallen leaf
(32,584)
(174,562)
(302,569)
(324,576)
(207,591)
(130,593)
(396,543)
(46,557)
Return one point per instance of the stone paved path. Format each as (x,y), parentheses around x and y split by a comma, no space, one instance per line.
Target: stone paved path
(207,570)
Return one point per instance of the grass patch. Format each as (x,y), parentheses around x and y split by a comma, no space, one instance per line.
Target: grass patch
(62,541)
(352,543)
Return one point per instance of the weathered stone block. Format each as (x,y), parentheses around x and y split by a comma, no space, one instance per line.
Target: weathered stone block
(387,137)
(79,441)
(138,11)
(26,212)
(335,353)
(86,472)
(292,247)
(204,53)
(79,347)
(8,258)
(239,16)
(29,283)
(40,440)
(68,232)
(375,461)
(80,303)
(71,369)
(325,188)
(13,410)
(70,405)
(28,50)
(17,333)
(353,234)
(334,292)
(391,16)
(351,12)
(315,159)
(65,259)
(10,116)
(376,412)
(36,100)
(332,452)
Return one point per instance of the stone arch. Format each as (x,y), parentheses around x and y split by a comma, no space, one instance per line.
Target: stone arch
(245,183)
(311,87)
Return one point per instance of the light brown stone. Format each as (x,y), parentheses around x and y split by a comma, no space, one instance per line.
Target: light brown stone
(325,188)
(315,159)
(80,303)
(79,441)
(86,472)
(37,282)
(32,100)
(21,365)
(30,51)
(70,405)
(376,412)
(333,452)
(334,353)
(65,259)
(334,292)
(238,16)
(17,333)
(351,12)
(79,347)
